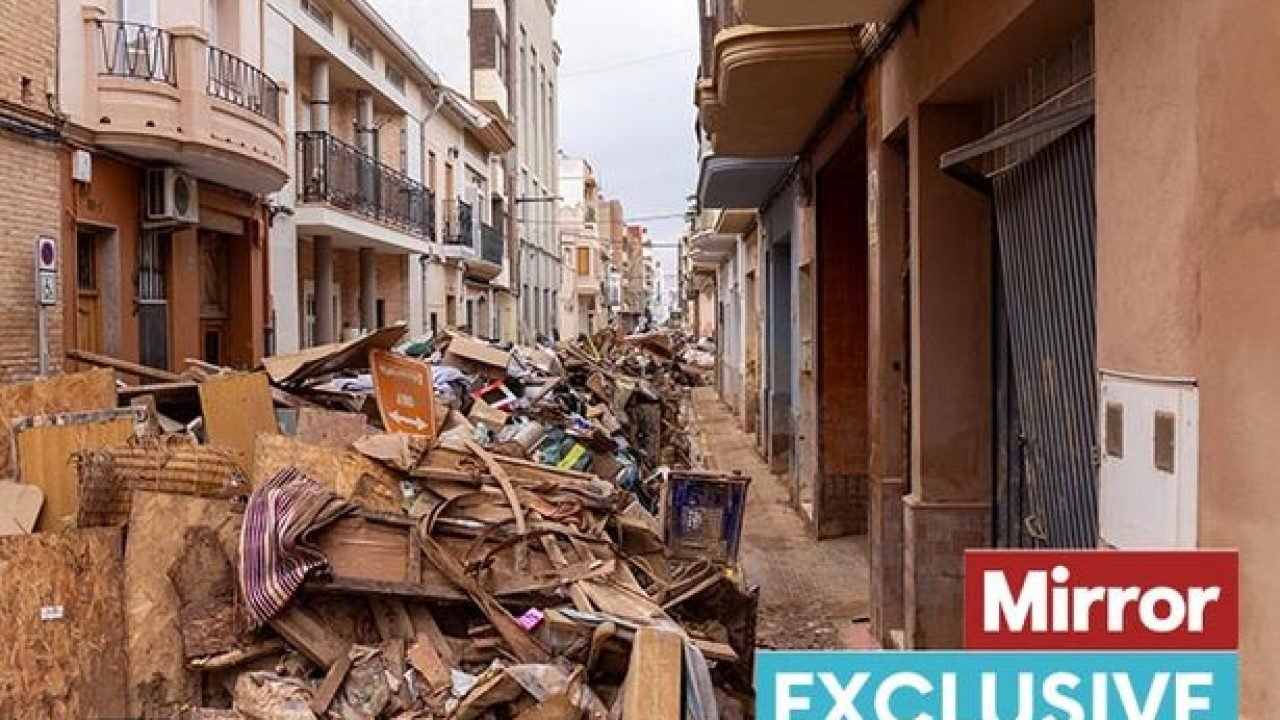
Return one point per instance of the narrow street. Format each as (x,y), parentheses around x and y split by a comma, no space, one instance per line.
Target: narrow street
(813,595)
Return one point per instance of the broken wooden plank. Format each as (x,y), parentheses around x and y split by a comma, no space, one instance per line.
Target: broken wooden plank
(240,655)
(425,656)
(348,474)
(654,686)
(330,428)
(331,684)
(77,392)
(61,626)
(309,636)
(160,683)
(237,409)
(142,372)
(45,460)
(525,647)
(391,618)
(167,390)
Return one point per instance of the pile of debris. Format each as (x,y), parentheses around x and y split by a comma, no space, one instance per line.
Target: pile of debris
(448,528)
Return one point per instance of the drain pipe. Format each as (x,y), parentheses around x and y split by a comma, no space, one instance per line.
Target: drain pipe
(422,142)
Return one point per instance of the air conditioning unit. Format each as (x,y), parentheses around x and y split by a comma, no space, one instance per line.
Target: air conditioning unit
(172,196)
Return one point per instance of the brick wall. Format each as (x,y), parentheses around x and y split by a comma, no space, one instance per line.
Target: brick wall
(935,538)
(886,558)
(29,182)
(484,38)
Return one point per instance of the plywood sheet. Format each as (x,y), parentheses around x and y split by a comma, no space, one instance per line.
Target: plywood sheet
(331,428)
(237,409)
(347,473)
(62,643)
(46,460)
(77,392)
(159,684)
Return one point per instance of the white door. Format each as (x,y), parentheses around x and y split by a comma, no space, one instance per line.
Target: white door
(1148,486)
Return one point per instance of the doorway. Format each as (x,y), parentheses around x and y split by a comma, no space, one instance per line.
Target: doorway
(215,302)
(842,423)
(778,413)
(153,299)
(89,285)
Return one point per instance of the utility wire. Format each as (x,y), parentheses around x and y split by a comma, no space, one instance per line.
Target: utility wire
(626,63)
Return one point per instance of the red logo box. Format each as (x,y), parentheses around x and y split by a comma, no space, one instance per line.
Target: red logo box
(1101,600)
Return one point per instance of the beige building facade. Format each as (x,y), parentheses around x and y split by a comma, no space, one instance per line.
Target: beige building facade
(397,206)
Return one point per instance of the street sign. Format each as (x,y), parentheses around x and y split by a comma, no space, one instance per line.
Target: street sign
(406,397)
(46,254)
(47,287)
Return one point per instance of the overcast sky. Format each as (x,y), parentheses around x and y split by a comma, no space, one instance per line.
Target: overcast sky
(626,103)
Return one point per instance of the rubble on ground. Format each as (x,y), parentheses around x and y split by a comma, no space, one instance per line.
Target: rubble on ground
(442,528)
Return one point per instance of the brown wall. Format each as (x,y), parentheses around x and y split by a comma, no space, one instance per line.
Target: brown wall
(29,182)
(1188,254)
(110,204)
(392,282)
(842,339)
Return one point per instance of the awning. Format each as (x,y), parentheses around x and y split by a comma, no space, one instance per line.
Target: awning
(736,182)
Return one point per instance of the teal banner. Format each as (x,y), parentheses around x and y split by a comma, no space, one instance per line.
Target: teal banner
(996,686)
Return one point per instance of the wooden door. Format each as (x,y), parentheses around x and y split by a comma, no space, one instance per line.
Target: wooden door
(88,300)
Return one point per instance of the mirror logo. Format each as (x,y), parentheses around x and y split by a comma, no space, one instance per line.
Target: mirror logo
(1048,636)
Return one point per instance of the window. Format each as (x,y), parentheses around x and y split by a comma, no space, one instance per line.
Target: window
(584,261)
(395,77)
(319,13)
(138,11)
(362,49)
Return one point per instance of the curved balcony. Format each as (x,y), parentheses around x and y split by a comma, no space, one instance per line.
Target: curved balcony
(767,87)
(166,95)
(784,13)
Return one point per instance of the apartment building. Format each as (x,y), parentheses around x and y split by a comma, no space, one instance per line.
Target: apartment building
(1024,271)
(30,169)
(536,80)
(395,210)
(174,137)
(584,308)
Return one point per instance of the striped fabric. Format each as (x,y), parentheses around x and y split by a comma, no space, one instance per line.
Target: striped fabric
(275,557)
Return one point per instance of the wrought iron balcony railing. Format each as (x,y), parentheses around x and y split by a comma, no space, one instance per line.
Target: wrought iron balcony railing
(137,51)
(492,245)
(459,226)
(334,172)
(239,83)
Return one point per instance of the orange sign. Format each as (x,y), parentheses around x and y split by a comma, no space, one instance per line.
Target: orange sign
(406,396)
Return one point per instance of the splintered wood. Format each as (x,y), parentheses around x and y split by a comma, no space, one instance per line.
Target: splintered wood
(109,477)
(78,392)
(62,637)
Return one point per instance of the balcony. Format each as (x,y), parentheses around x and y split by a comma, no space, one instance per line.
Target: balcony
(487,263)
(763,89)
(165,95)
(493,246)
(783,13)
(459,226)
(339,175)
